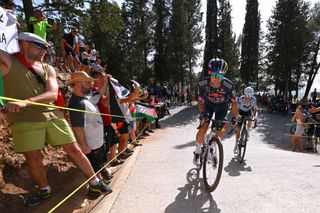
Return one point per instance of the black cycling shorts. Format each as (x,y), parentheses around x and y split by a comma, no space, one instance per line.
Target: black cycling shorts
(244,114)
(220,111)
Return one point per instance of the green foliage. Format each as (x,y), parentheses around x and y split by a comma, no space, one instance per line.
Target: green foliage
(250,44)
(227,40)
(103,25)
(211,37)
(287,53)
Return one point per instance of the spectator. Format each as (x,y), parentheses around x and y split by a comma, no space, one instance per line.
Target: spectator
(294,102)
(40,24)
(110,137)
(32,127)
(314,95)
(88,128)
(299,117)
(69,45)
(97,66)
(84,53)
(86,67)
(93,53)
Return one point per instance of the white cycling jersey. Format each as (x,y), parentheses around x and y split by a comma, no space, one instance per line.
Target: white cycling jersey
(245,105)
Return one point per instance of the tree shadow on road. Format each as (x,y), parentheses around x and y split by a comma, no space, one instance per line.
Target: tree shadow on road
(275,130)
(234,168)
(192,197)
(182,118)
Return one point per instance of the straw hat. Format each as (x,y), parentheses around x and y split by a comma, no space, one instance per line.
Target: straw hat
(80,76)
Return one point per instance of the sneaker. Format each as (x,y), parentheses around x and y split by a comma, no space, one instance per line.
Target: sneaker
(116,162)
(36,199)
(129,151)
(101,188)
(125,155)
(145,134)
(196,159)
(151,131)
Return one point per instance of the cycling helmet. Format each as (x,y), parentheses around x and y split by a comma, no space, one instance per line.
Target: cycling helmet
(218,65)
(249,92)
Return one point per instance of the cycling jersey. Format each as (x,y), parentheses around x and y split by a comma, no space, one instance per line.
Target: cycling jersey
(216,99)
(220,95)
(246,106)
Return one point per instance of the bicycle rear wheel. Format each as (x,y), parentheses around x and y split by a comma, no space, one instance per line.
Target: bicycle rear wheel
(242,146)
(212,164)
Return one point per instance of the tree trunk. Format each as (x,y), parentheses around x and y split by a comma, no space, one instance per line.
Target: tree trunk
(313,71)
(28,11)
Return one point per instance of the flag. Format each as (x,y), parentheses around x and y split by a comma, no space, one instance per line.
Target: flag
(145,111)
(121,110)
(8,31)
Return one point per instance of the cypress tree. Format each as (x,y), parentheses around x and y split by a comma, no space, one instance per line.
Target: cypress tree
(250,44)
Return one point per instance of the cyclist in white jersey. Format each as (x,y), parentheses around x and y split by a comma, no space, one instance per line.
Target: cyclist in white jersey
(247,105)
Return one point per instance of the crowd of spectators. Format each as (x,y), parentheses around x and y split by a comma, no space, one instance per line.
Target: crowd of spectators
(91,137)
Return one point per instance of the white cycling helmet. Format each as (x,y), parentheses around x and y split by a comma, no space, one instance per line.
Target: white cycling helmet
(249,92)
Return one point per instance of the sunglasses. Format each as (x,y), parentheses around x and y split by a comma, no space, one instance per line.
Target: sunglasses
(217,75)
(39,46)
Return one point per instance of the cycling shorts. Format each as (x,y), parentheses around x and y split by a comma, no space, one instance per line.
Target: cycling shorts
(220,111)
(244,114)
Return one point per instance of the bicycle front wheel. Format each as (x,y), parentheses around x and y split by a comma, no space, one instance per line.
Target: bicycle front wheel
(212,164)
(242,146)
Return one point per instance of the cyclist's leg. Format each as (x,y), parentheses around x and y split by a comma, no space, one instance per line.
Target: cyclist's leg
(204,124)
(220,115)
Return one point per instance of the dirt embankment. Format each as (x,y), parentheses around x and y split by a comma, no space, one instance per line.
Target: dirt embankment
(15,181)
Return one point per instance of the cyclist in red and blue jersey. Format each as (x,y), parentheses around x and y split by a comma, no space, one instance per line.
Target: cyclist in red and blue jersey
(215,94)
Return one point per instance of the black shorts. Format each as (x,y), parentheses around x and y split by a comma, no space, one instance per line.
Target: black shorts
(311,130)
(110,136)
(220,111)
(124,129)
(244,114)
(97,158)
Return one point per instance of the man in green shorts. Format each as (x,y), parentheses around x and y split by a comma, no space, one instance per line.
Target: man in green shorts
(25,78)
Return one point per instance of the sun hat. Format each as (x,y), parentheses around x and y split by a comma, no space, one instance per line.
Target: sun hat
(32,38)
(80,76)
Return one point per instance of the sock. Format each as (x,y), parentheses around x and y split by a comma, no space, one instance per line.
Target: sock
(95,181)
(198,148)
(47,188)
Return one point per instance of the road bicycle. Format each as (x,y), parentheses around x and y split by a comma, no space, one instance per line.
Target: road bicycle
(242,144)
(211,158)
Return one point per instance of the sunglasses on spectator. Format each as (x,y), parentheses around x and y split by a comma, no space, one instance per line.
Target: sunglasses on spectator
(39,46)
(217,75)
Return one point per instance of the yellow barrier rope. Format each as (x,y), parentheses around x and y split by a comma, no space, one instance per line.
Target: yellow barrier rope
(77,189)
(76,110)
(56,107)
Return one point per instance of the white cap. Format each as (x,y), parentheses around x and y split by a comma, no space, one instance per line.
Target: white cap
(33,38)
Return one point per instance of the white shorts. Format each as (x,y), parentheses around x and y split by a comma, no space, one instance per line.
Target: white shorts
(299,130)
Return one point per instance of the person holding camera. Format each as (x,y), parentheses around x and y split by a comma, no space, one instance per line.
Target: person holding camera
(40,24)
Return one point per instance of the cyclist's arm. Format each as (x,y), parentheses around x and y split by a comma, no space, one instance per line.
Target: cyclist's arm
(234,107)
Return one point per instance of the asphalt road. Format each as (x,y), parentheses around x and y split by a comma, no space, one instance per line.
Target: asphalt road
(160,176)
